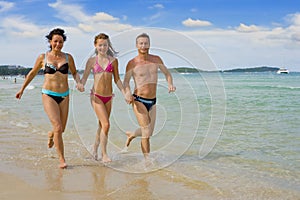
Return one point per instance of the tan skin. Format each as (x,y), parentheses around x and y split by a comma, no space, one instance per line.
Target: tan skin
(144,71)
(102,86)
(57,82)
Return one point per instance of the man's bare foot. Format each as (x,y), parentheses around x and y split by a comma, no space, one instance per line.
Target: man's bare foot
(124,150)
(149,162)
(50,139)
(130,137)
(63,165)
(106,159)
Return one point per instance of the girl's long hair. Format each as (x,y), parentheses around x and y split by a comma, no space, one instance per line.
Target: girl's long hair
(111,51)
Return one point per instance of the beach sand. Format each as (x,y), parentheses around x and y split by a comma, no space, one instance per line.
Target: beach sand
(29,170)
(12,187)
(96,182)
(245,164)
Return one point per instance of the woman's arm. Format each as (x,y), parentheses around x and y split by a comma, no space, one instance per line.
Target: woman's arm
(33,72)
(75,74)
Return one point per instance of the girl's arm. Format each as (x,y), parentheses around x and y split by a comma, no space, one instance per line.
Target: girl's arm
(117,79)
(87,70)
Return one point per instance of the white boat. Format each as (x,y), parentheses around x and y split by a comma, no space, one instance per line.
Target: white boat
(282,71)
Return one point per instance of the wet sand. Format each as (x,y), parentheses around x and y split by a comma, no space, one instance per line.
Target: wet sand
(29,170)
(12,187)
(97,182)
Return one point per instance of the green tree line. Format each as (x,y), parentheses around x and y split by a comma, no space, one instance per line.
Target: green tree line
(6,70)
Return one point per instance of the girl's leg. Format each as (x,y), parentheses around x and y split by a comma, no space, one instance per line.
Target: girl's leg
(97,142)
(103,112)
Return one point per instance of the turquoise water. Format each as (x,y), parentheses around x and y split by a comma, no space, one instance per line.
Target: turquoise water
(227,130)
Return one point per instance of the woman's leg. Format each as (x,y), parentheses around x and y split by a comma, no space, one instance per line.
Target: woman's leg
(57,115)
(64,112)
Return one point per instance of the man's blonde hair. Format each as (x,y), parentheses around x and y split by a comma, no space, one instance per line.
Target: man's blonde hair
(143,35)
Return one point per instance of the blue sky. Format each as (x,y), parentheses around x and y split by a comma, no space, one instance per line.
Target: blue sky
(233,33)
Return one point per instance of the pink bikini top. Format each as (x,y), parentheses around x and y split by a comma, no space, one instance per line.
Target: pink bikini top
(98,69)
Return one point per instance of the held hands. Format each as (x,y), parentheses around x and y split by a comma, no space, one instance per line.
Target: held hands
(128,98)
(80,87)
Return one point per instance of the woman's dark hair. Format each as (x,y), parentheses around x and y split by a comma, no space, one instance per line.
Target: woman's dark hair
(56,31)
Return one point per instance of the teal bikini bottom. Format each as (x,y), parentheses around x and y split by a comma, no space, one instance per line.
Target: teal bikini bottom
(56,96)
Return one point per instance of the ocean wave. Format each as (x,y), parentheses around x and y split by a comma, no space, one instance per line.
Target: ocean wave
(275,87)
(2,112)
(20,124)
(30,87)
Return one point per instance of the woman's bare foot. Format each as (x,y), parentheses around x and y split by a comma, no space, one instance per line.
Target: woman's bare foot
(130,137)
(50,139)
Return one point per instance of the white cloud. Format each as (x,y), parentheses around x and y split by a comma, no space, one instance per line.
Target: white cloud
(5,6)
(241,46)
(194,10)
(18,26)
(294,19)
(86,27)
(245,28)
(296,37)
(69,12)
(124,17)
(101,16)
(248,46)
(73,14)
(157,6)
(155,16)
(195,23)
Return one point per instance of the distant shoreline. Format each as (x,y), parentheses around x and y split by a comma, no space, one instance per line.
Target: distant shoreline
(11,70)
(254,69)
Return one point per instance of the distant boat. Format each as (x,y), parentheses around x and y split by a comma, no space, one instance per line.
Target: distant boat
(282,71)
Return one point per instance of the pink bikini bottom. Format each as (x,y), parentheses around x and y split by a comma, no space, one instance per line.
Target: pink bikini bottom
(102,98)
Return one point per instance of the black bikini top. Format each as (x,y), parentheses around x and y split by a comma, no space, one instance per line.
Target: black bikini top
(51,69)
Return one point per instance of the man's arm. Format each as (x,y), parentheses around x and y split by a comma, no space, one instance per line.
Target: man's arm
(126,82)
(167,74)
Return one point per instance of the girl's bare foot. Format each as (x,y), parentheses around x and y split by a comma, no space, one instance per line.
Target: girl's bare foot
(130,137)
(106,159)
(95,151)
(63,165)
(50,139)
(95,155)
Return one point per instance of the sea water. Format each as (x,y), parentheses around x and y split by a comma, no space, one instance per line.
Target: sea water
(236,132)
